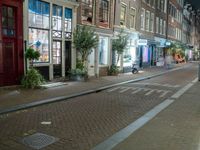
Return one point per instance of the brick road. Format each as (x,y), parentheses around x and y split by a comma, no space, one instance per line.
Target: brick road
(82,122)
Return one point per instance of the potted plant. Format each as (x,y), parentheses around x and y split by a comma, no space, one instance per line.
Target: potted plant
(84,40)
(33,78)
(113,70)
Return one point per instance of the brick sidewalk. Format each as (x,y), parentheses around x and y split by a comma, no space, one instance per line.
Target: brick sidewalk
(175,128)
(17,96)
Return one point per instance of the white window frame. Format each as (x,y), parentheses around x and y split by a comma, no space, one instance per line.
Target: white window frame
(132,8)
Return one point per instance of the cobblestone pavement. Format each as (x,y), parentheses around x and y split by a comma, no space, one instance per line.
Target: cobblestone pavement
(83,122)
(11,97)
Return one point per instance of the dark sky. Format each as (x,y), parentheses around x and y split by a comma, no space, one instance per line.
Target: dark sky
(195,3)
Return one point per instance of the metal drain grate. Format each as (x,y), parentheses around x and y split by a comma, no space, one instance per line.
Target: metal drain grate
(39,140)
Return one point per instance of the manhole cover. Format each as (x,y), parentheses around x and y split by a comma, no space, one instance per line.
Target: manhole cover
(39,140)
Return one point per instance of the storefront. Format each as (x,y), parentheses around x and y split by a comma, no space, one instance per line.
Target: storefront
(104,51)
(130,55)
(99,59)
(161,43)
(49,30)
(11,42)
(143,51)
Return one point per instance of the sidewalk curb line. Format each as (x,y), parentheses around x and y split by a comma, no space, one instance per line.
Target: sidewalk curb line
(62,98)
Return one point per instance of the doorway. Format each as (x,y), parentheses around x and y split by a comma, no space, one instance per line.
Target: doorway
(57,61)
(67,57)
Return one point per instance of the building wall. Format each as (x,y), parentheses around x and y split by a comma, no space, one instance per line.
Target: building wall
(174,24)
(98,64)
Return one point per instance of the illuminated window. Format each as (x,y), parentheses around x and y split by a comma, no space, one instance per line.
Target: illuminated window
(39,12)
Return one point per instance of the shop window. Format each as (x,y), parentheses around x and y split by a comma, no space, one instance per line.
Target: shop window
(39,14)
(57,21)
(104,13)
(39,40)
(68,23)
(103,50)
(39,26)
(8,21)
(87,11)
(132,18)
(123,15)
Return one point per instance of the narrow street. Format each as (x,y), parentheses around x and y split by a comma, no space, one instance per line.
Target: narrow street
(83,122)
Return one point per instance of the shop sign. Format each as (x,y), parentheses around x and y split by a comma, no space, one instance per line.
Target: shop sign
(142,42)
(161,41)
(168,43)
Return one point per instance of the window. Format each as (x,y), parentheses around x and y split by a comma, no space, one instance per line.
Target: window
(87,11)
(142,18)
(132,18)
(103,50)
(157,25)
(147,20)
(151,27)
(39,40)
(161,26)
(57,21)
(147,1)
(164,27)
(39,14)
(104,13)
(39,26)
(162,5)
(8,21)
(153,3)
(68,23)
(158,4)
(123,15)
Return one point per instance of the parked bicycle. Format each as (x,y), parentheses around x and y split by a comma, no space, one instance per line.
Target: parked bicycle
(134,69)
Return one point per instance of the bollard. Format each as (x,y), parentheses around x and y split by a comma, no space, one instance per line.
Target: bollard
(199,72)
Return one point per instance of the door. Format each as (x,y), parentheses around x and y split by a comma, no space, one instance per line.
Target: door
(8,52)
(91,63)
(57,67)
(67,57)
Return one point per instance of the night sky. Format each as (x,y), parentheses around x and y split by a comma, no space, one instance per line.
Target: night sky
(195,3)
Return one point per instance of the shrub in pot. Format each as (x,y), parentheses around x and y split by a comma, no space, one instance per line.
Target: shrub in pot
(32,78)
